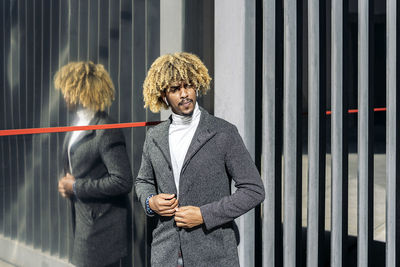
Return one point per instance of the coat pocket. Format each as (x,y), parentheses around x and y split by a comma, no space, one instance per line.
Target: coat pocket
(83,213)
(99,209)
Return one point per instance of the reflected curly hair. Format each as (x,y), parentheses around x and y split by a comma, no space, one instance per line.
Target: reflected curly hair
(171,68)
(85,83)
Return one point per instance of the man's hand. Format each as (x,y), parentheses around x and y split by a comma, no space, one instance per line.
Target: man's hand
(163,204)
(65,185)
(188,216)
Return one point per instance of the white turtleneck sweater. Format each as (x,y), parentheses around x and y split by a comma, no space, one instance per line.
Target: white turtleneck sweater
(83,118)
(181,132)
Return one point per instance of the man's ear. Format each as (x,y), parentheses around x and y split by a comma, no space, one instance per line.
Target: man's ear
(164,97)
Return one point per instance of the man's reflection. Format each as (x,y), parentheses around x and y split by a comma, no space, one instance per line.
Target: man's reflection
(97,172)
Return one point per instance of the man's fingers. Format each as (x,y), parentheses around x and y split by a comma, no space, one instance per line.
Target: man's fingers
(170,202)
(183,225)
(162,202)
(179,218)
(173,202)
(181,213)
(167,203)
(167,207)
(164,208)
(174,205)
(179,224)
(166,196)
(185,208)
(167,213)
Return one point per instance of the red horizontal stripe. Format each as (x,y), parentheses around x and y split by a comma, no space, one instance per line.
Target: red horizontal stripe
(75,128)
(107,126)
(328,112)
(379,109)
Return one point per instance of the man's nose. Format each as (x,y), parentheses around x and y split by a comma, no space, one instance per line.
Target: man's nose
(184,91)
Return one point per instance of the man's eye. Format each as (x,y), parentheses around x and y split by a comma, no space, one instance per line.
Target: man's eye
(173,88)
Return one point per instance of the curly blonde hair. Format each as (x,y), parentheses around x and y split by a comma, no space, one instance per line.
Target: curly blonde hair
(85,83)
(171,68)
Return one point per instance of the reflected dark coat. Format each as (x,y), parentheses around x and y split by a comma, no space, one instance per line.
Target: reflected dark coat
(215,156)
(100,165)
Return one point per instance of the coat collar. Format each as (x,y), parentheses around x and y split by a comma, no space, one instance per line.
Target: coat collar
(202,135)
(85,133)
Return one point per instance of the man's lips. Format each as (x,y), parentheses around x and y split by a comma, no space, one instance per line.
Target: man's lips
(185,102)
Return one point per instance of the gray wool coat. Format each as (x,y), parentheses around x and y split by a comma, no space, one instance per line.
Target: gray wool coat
(216,156)
(100,209)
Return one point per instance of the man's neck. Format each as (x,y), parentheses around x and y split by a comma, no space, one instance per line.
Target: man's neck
(186,119)
(84,115)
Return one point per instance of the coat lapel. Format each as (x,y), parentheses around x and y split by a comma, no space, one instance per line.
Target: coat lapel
(65,152)
(161,140)
(82,136)
(202,135)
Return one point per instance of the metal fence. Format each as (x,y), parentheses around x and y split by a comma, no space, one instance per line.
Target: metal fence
(315,60)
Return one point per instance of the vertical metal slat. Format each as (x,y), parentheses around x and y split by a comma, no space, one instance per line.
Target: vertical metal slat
(365,138)
(290,126)
(314,225)
(338,146)
(269,158)
(392,133)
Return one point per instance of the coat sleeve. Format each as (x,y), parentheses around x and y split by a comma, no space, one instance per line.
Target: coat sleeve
(118,180)
(249,187)
(145,181)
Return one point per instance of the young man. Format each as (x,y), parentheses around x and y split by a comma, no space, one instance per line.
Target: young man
(98,176)
(187,166)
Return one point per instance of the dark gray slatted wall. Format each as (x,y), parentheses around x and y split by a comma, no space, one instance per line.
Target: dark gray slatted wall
(6,26)
(199,39)
(38,37)
(28,66)
(2,120)
(54,117)
(329,57)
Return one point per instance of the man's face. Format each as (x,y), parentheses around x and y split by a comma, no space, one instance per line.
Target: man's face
(181,96)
